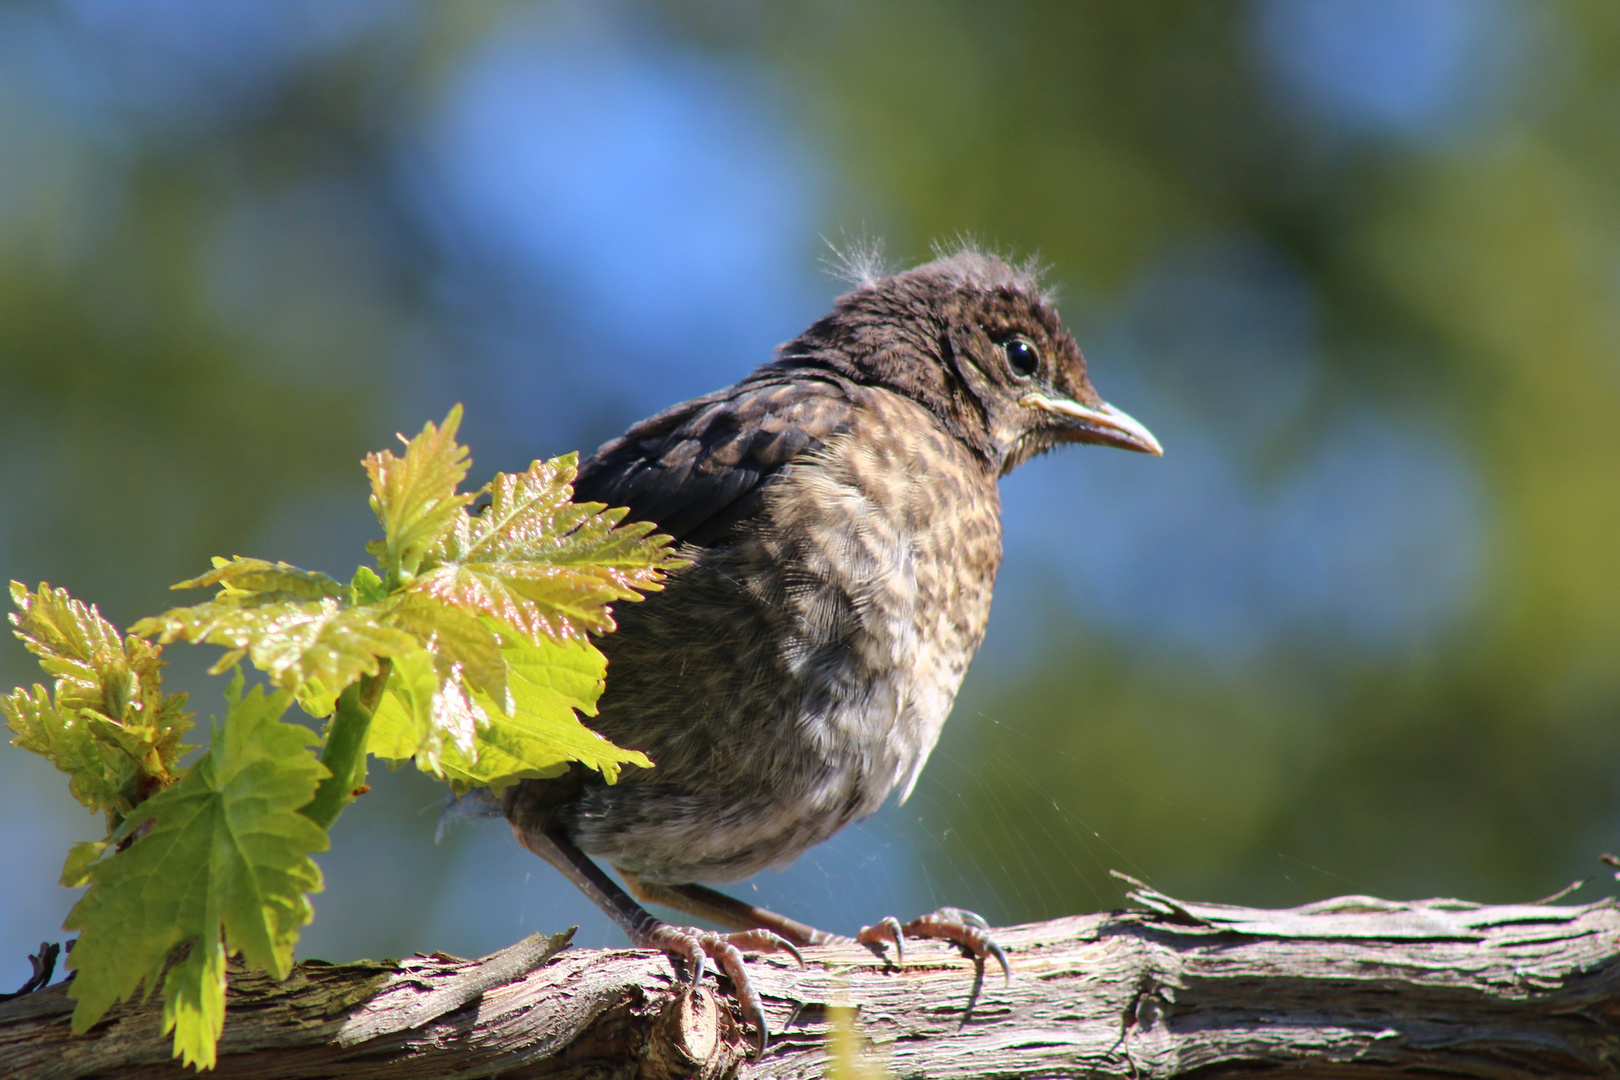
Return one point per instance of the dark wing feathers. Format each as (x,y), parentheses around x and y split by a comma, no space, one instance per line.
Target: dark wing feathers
(701,467)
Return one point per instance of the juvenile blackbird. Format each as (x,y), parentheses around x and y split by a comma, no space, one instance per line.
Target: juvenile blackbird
(841,511)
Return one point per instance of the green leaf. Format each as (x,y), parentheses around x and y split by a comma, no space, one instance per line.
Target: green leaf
(455,638)
(315,699)
(260,576)
(404,717)
(75,645)
(366,587)
(414,497)
(539,735)
(551,684)
(293,641)
(96,668)
(109,727)
(100,776)
(194,1003)
(312,635)
(220,862)
(76,870)
(394,734)
(427,712)
(541,564)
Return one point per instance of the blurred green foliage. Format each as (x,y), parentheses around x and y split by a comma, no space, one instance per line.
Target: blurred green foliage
(1465,279)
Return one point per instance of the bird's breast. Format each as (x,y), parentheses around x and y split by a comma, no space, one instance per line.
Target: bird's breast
(893,534)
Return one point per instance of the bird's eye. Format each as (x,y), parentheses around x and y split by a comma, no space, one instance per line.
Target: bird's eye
(1022,357)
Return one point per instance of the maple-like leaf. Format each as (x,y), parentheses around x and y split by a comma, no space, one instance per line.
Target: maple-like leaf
(292,641)
(556,682)
(220,861)
(81,856)
(262,576)
(109,725)
(75,645)
(543,565)
(428,712)
(455,637)
(403,720)
(316,647)
(550,684)
(100,776)
(415,497)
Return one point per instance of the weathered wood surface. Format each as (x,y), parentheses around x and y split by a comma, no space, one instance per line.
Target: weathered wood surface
(1349,988)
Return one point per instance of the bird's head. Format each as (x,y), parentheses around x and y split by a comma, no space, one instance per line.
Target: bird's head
(978,342)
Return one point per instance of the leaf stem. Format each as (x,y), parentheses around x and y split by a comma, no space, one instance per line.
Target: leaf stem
(345,750)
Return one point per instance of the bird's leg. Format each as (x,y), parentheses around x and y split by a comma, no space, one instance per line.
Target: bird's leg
(644,931)
(717,907)
(967,931)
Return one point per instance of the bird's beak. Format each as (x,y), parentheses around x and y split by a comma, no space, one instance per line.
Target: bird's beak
(1100,424)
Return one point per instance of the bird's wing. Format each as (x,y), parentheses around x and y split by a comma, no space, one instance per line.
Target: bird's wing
(701,467)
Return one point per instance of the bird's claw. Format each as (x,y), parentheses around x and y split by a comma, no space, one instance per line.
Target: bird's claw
(967,930)
(697,946)
(966,916)
(888,929)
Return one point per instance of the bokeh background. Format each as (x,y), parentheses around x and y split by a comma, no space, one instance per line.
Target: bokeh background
(1356,262)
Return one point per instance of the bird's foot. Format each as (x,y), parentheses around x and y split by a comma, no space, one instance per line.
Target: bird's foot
(963,928)
(697,947)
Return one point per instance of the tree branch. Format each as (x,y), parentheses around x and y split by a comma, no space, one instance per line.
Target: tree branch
(1353,987)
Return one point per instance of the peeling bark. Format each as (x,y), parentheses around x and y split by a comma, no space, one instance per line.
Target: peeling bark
(1353,987)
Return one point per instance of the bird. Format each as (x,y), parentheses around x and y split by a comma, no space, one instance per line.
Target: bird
(840,513)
